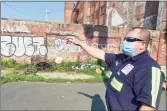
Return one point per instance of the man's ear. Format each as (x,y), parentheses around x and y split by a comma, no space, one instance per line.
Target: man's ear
(143,45)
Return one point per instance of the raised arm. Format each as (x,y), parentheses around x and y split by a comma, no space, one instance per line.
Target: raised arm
(95,52)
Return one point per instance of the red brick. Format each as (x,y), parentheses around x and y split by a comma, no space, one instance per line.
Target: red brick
(164,15)
(113,41)
(162,52)
(154,49)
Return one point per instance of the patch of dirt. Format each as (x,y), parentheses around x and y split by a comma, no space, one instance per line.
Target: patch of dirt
(6,71)
(64,75)
(3,72)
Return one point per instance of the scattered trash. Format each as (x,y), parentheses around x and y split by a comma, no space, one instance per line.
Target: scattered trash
(43,66)
(94,66)
(84,66)
(81,66)
(58,60)
(98,71)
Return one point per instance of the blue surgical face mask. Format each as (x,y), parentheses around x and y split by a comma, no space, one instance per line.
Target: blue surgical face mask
(128,48)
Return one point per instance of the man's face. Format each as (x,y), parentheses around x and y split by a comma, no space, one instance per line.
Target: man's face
(136,39)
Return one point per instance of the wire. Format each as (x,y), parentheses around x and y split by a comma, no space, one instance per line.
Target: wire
(16,9)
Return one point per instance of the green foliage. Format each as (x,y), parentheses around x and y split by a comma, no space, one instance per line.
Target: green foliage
(31,69)
(97,62)
(10,63)
(22,66)
(67,67)
(32,78)
(4,79)
(62,67)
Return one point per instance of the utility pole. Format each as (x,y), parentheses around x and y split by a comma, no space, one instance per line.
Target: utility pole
(46,14)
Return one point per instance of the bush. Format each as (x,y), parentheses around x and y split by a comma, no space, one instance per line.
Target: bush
(10,63)
(62,67)
(21,66)
(31,69)
(97,62)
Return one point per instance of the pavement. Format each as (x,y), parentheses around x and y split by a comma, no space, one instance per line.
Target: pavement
(56,96)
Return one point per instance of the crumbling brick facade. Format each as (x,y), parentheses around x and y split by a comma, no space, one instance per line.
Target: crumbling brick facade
(35,41)
(88,13)
(150,14)
(68,8)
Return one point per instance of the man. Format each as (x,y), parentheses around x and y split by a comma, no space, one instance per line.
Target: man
(136,80)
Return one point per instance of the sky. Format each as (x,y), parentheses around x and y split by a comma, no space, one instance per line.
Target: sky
(33,10)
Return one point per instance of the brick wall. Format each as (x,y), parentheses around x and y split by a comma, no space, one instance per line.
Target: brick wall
(126,14)
(89,13)
(69,6)
(150,14)
(35,41)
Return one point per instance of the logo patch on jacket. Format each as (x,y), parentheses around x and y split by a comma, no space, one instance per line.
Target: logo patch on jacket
(116,63)
(127,69)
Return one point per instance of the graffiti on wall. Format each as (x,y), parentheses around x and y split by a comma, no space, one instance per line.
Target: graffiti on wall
(20,46)
(32,46)
(62,45)
(60,50)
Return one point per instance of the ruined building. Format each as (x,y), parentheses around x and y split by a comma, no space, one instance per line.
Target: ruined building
(151,14)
